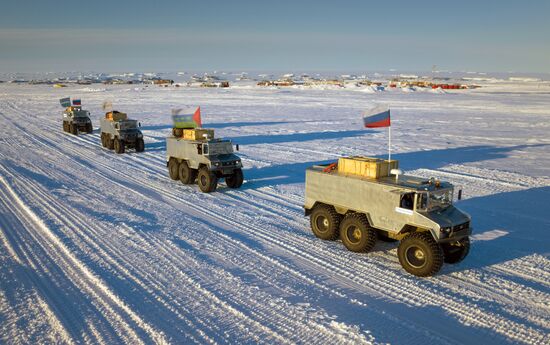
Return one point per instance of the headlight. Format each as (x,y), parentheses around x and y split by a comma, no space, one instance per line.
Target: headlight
(217,164)
(140,135)
(446,230)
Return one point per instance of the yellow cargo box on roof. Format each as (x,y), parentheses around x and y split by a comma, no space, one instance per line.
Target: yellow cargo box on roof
(366,166)
(116,116)
(198,134)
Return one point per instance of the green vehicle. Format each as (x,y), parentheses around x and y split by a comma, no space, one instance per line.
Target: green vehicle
(419,213)
(75,119)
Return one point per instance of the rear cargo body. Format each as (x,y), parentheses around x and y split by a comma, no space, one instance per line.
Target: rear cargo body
(379,199)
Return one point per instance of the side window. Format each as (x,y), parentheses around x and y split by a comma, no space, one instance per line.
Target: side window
(205,149)
(407,201)
(422,201)
(199,149)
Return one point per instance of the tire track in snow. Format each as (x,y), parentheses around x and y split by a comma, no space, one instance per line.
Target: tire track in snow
(481,320)
(249,229)
(77,272)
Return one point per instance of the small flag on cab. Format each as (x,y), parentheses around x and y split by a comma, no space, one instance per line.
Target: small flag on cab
(77,102)
(378,117)
(187,117)
(65,102)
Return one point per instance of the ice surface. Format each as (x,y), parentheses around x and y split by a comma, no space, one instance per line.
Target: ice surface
(103,248)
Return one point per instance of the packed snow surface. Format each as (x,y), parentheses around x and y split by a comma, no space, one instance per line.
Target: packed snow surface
(103,248)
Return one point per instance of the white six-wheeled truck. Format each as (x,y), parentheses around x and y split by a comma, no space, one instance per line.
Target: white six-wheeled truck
(118,132)
(196,155)
(359,205)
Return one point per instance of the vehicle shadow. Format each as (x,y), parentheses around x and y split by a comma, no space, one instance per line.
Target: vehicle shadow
(432,159)
(275,139)
(299,137)
(218,125)
(158,146)
(507,226)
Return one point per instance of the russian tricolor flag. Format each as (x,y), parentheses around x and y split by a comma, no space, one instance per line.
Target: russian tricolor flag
(377,117)
(76,102)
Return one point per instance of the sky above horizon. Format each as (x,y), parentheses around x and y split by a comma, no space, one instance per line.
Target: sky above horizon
(493,36)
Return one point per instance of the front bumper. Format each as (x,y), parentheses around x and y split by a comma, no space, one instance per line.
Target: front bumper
(455,235)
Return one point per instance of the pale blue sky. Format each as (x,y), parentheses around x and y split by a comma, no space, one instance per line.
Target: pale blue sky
(276,35)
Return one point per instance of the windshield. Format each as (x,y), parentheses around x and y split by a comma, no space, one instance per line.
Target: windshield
(434,200)
(127,125)
(220,148)
(81,113)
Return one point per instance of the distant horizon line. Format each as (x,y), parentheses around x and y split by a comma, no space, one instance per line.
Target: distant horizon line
(240,71)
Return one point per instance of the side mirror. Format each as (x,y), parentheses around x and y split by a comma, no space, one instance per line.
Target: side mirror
(237,147)
(139,124)
(460,194)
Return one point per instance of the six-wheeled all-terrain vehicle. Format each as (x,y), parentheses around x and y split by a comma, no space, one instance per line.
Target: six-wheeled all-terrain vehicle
(196,155)
(118,132)
(361,199)
(75,119)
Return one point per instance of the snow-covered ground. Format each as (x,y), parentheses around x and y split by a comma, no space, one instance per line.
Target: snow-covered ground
(104,248)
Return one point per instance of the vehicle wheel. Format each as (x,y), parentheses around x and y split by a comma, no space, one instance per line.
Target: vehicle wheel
(173,169)
(89,128)
(457,251)
(119,146)
(383,236)
(74,129)
(356,233)
(235,180)
(207,181)
(186,174)
(420,255)
(110,142)
(65,129)
(140,145)
(324,222)
(103,141)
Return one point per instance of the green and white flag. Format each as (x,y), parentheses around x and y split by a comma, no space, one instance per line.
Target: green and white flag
(65,102)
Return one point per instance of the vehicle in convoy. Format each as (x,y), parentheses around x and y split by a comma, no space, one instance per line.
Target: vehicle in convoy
(197,156)
(75,119)
(119,133)
(368,199)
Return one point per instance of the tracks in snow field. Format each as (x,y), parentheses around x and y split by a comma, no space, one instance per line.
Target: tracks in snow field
(263,234)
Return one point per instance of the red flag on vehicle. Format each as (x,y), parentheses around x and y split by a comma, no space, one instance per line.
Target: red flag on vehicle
(187,118)
(377,117)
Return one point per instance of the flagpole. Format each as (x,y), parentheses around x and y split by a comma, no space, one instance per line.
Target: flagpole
(389,143)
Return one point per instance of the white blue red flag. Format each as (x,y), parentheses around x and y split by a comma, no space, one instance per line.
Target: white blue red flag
(377,117)
(77,102)
(187,118)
